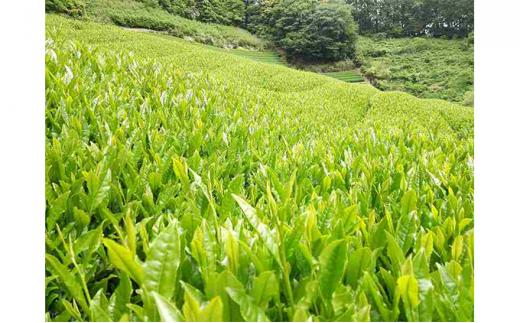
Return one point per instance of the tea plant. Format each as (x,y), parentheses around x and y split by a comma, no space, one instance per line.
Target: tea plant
(191,185)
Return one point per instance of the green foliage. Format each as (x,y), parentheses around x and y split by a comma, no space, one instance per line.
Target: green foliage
(424,67)
(135,14)
(310,30)
(184,8)
(260,17)
(184,183)
(398,18)
(75,8)
(339,66)
(376,71)
(227,12)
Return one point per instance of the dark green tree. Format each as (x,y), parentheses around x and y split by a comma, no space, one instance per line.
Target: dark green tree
(262,16)
(309,30)
(316,31)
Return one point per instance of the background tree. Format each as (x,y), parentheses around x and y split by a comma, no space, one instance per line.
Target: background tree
(309,30)
(262,16)
(399,18)
(449,17)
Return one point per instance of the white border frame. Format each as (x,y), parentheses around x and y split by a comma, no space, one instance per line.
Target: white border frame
(22,179)
(497,160)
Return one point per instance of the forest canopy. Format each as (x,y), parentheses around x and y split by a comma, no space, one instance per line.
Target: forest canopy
(399,18)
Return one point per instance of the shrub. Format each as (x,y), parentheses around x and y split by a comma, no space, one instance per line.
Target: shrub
(227,12)
(376,52)
(378,70)
(185,8)
(75,8)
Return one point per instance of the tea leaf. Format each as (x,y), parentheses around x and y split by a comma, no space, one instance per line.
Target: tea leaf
(122,258)
(168,311)
(162,262)
(332,266)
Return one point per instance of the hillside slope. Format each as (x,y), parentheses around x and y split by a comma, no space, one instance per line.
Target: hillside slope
(424,67)
(150,15)
(181,181)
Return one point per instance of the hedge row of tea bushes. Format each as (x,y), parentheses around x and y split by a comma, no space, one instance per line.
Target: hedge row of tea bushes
(149,14)
(192,185)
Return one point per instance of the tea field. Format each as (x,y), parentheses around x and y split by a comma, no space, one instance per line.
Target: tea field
(346,76)
(188,184)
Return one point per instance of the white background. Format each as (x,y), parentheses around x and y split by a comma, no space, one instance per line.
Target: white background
(497,161)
